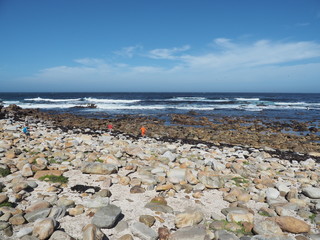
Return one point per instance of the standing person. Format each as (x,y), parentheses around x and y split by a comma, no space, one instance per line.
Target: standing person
(26,132)
(110,127)
(143,131)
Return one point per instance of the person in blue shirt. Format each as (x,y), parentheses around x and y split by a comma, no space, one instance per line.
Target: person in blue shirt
(26,132)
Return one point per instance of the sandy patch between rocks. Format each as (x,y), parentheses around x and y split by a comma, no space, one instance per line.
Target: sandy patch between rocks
(132,205)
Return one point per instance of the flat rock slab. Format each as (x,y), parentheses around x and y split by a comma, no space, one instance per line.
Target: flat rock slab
(189,233)
(107,217)
(143,232)
(40,213)
(159,207)
(42,173)
(98,168)
(311,192)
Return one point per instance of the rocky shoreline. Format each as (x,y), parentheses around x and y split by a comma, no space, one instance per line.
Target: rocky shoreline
(74,180)
(289,140)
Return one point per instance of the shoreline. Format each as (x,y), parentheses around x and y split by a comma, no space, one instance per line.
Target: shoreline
(291,140)
(149,188)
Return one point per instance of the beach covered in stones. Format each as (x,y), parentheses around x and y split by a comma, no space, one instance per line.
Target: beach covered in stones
(84,183)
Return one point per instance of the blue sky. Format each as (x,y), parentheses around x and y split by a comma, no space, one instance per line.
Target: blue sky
(167,45)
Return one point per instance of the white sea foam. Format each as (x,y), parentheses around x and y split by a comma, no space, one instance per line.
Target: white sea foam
(247,99)
(111,101)
(188,99)
(6,103)
(201,104)
(252,107)
(290,103)
(47,106)
(128,107)
(196,108)
(195,99)
(221,100)
(39,99)
(151,107)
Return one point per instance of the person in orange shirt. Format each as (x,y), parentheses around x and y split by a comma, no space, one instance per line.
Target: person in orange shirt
(143,131)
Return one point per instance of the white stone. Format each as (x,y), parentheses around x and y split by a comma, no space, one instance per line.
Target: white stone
(272,193)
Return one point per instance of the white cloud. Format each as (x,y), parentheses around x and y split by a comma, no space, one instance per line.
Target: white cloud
(260,53)
(128,51)
(231,65)
(305,24)
(146,69)
(224,42)
(167,53)
(90,61)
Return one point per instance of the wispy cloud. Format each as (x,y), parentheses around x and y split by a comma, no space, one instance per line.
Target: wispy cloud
(167,53)
(305,24)
(225,61)
(128,51)
(259,53)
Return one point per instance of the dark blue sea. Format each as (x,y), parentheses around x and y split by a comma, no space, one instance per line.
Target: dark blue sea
(273,106)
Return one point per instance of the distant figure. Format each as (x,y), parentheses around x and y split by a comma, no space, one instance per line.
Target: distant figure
(143,131)
(26,132)
(110,127)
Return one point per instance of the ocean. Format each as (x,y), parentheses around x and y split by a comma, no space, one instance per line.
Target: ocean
(273,106)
